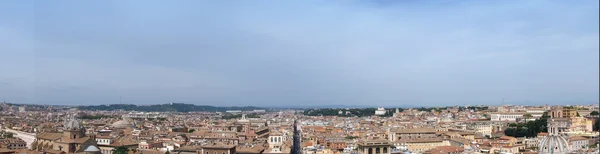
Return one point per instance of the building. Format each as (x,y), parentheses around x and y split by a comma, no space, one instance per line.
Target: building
(234,111)
(580,125)
(413,133)
(578,142)
(13,143)
(144,115)
(379,146)
(445,150)
(380,111)
(217,148)
(72,140)
(276,144)
(569,113)
(420,145)
(512,116)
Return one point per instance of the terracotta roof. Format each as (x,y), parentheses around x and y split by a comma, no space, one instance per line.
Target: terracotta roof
(445,150)
(49,136)
(506,138)
(420,140)
(256,149)
(218,146)
(414,130)
(577,138)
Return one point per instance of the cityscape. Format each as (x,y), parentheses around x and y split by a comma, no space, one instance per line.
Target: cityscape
(253,130)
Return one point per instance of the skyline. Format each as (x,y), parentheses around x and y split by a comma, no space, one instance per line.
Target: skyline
(261,53)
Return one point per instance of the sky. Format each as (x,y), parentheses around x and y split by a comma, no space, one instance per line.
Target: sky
(300,53)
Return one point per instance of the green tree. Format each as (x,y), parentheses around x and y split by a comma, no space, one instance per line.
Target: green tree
(594,113)
(120,150)
(528,129)
(167,152)
(191,130)
(527,116)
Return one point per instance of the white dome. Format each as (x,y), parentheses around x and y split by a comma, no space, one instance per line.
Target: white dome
(91,148)
(73,124)
(122,124)
(554,144)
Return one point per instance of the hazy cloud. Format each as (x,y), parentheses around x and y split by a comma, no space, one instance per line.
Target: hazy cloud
(300,52)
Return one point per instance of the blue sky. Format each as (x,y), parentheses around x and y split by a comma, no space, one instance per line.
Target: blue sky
(379,53)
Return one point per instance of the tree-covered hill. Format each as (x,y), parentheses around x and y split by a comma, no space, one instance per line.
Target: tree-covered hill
(172,107)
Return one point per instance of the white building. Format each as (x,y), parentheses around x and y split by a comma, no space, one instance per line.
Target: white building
(511,116)
(380,111)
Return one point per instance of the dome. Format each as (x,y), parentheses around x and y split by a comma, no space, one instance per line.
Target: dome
(554,144)
(73,124)
(122,124)
(91,148)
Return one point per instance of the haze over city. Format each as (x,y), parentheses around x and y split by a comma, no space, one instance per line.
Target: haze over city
(299,53)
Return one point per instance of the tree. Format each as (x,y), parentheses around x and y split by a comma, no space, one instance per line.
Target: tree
(191,130)
(9,135)
(120,150)
(595,113)
(167,152)
(528,129)
(527,116)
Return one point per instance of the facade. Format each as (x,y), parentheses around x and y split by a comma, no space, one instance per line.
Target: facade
(578,142)
(276,144)
(421,145)
(13,143)
(569,113)
(374,147)
(512,116)
(580,125)
(414,133)
(380,111)
(217,149)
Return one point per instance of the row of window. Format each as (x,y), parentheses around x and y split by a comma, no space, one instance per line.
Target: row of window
(275,139)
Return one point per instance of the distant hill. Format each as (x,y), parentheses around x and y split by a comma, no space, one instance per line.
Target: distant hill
(172,107)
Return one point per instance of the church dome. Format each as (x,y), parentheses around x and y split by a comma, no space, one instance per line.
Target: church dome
(122,124)
(91,148)
(73,124)
(554,144)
